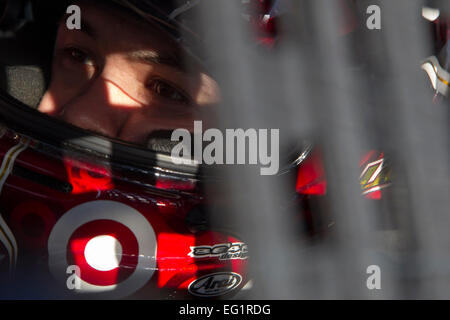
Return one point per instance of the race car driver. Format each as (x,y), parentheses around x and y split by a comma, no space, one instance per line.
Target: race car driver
(115,78)
(124,77)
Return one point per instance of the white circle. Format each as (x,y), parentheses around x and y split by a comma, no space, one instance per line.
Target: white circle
(100,210)
(103,253)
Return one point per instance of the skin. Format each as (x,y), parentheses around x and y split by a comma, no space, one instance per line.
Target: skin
(124,78)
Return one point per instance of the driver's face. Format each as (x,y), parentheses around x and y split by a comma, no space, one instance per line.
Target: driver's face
(125,79)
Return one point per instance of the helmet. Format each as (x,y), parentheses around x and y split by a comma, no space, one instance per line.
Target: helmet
(84,215)
(89,216)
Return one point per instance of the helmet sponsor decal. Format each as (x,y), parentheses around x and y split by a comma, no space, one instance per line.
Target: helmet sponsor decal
(215,284)
(375,176)
(113,245)
(223,251)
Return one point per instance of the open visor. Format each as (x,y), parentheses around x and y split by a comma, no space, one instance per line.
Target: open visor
(35,70)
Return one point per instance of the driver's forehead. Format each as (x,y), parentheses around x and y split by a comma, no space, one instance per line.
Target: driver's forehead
(116,30)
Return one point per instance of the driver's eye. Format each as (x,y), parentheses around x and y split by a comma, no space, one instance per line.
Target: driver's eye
(79,56)
(168,91)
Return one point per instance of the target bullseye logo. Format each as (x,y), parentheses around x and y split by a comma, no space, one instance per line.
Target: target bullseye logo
(112,243)
(103,252)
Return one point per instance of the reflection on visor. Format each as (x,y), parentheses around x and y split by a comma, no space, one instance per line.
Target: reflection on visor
(438,76)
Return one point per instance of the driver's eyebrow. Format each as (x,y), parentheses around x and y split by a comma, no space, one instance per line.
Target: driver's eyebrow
(148,56)
(154,57)
(87,28)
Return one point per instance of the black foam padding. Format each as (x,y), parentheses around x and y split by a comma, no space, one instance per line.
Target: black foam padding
(25,60)
(25,83)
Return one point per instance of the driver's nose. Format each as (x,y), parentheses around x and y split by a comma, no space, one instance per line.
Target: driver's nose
(102,106)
